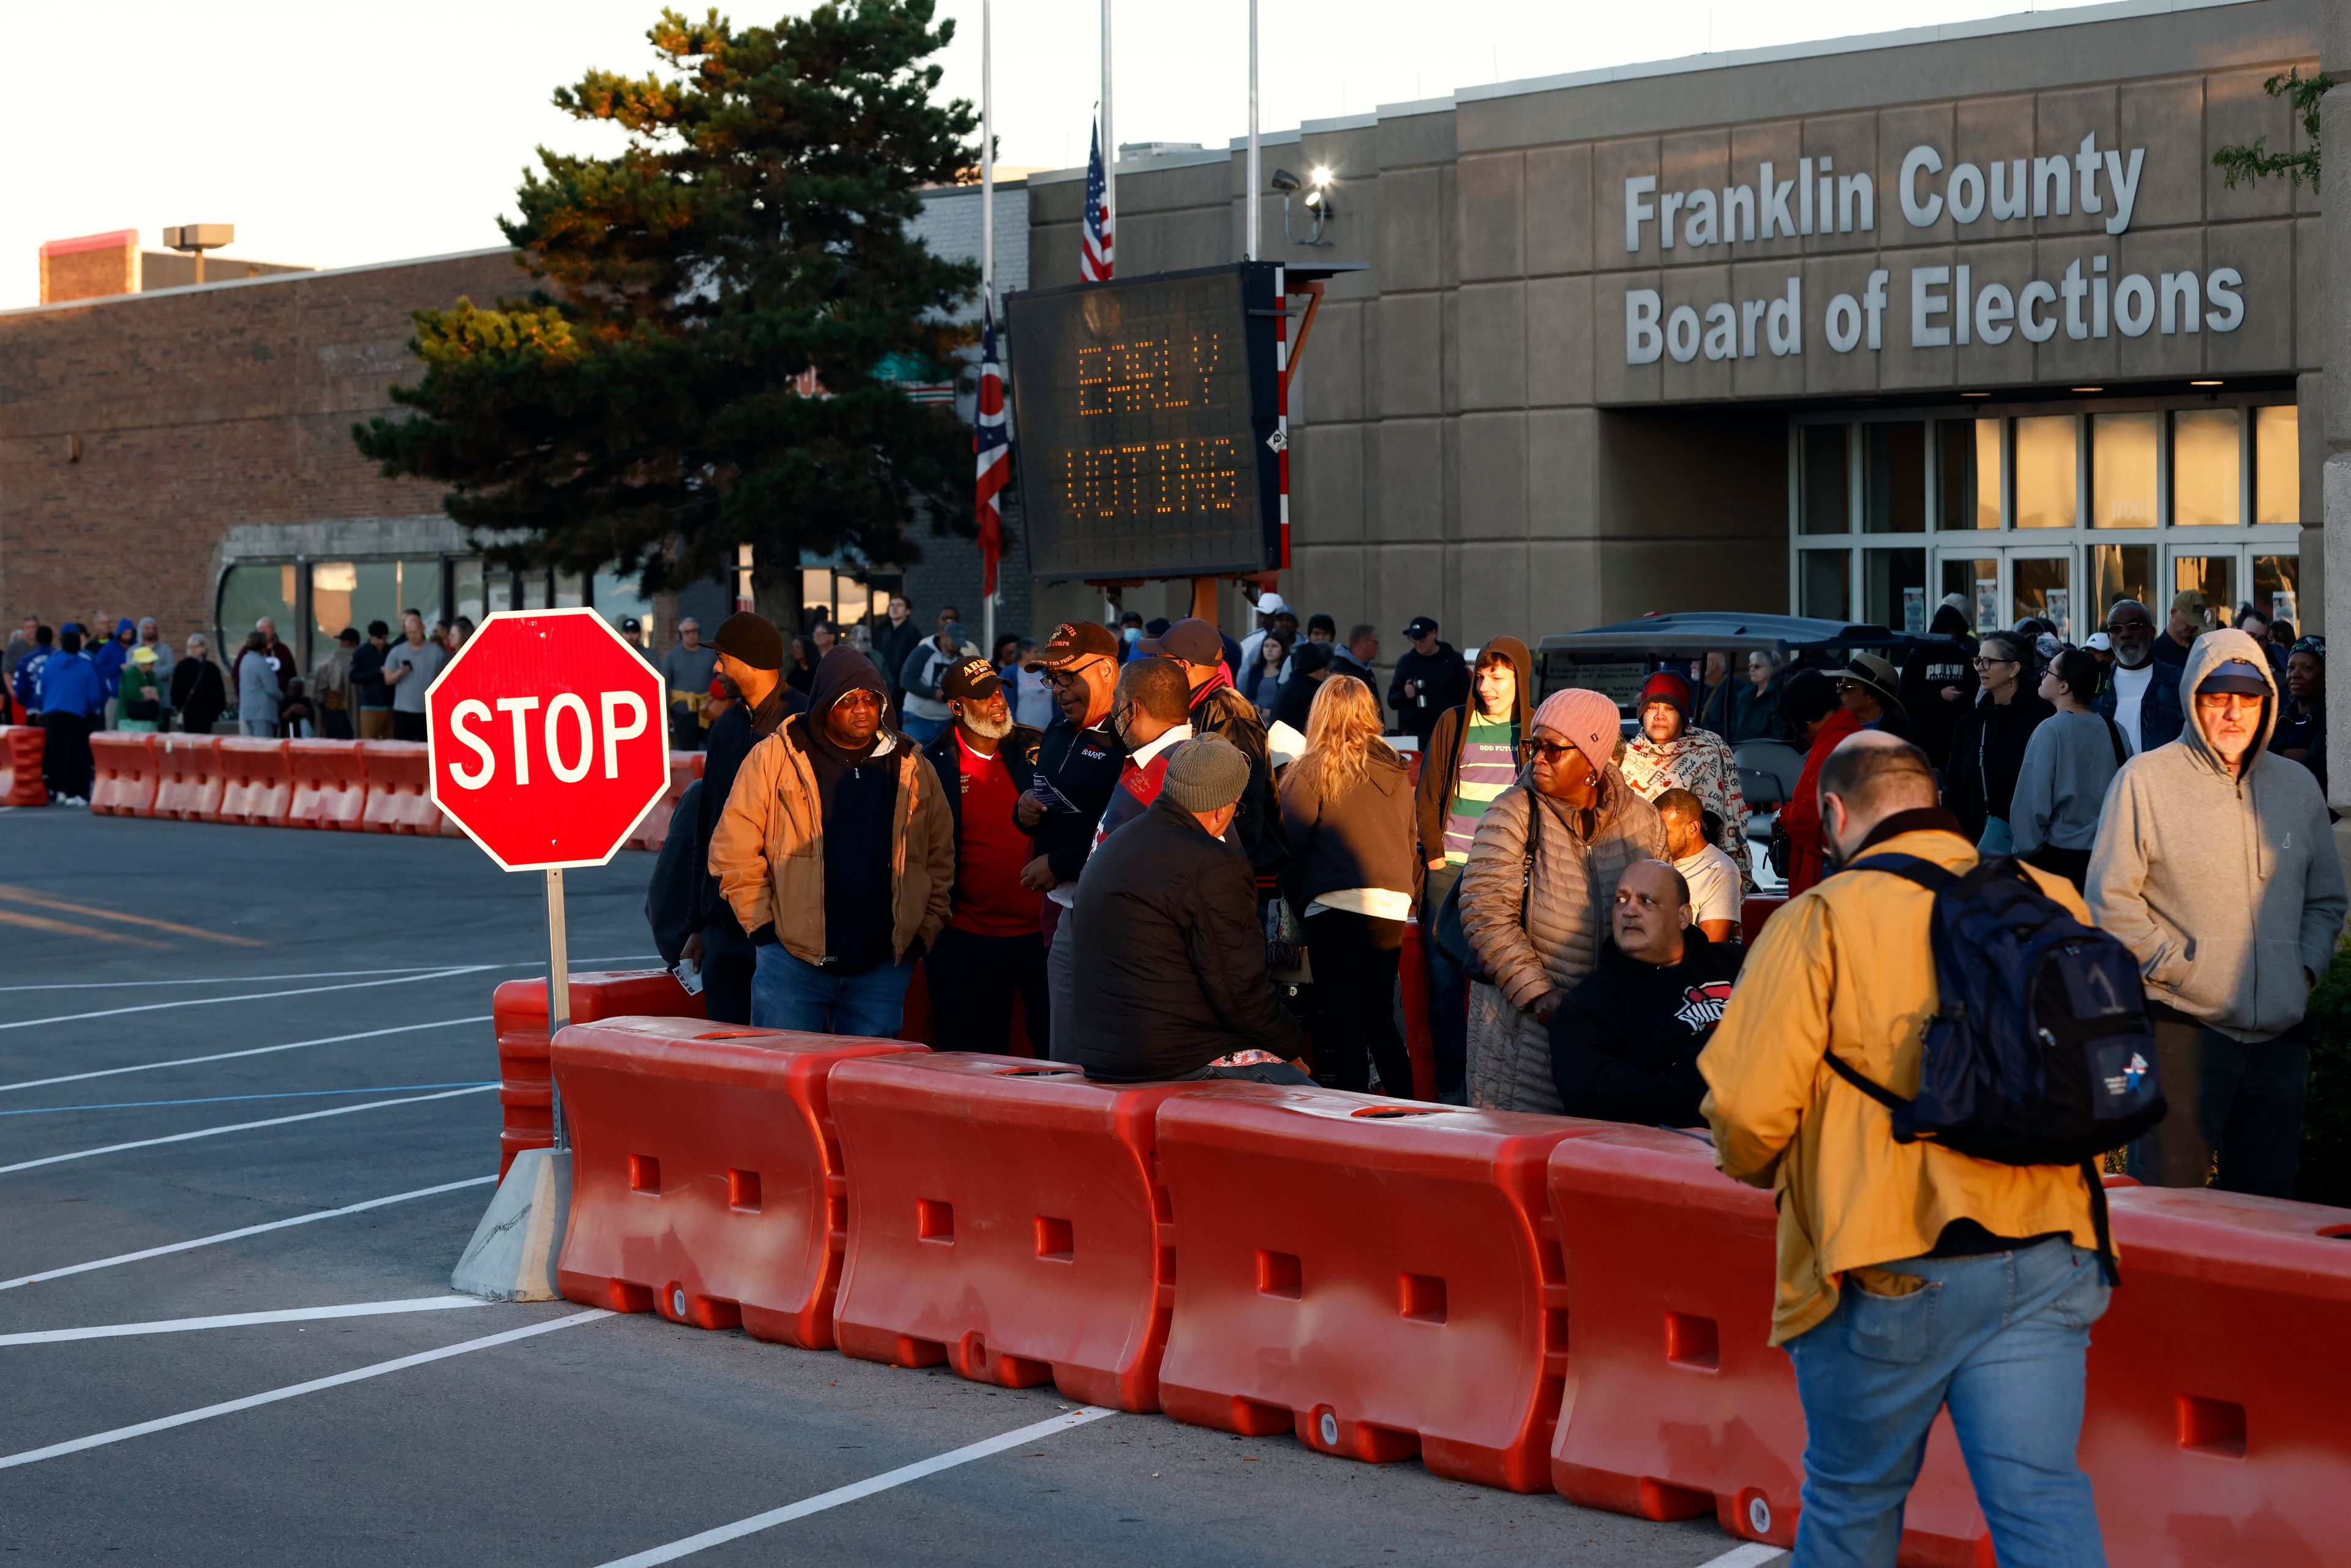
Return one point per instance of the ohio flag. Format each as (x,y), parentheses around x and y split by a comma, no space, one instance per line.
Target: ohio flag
(1094,263)
(989,442)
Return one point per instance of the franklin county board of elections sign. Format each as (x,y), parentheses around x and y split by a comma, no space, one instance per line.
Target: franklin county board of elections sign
(547,738)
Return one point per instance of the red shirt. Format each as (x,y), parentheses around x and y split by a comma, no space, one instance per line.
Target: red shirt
(990,849)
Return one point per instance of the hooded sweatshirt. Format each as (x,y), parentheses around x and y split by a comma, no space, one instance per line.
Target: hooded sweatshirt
(2226,888)
(1434,803)
(855,799)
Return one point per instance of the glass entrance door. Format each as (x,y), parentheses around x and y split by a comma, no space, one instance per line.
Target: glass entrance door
(2002,586)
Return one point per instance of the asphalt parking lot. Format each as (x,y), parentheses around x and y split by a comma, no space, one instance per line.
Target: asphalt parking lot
(248,1122)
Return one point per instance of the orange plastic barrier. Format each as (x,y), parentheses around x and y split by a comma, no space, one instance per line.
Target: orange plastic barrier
(122,773)
(188,778)
(706,1183)
(1753,912)
(1007,1223)
(2214,1432)
(519,1015)
(1675,1405)
(329,783)
(257,781)
(20,766)
(399,780)
(1376,1275)
(685,767)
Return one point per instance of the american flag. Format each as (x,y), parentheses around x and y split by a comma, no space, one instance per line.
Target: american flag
(1094,265)
(990,442)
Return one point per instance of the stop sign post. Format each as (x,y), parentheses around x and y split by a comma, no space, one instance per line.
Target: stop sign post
(547,741)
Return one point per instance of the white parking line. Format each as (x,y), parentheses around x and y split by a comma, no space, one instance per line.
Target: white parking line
(243,1320)
(227,1055)
(250,997)
(64,1269)
(316,975)
(293,1391)
(1747,1556)
(857,1489)
(238,1127)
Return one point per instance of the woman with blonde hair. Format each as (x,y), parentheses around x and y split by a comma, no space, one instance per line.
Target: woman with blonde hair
(1347,804)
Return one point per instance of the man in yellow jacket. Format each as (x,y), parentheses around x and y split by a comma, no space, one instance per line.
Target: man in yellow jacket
(836,850)
(1910,1276)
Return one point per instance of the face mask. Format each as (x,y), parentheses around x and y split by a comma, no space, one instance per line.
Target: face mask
(1132,634)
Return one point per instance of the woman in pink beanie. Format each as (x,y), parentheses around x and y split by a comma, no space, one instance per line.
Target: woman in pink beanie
(1536,895)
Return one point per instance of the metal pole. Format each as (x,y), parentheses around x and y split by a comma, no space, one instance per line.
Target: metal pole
(987,218)
(1110,141)
(1248,197)
(558,991)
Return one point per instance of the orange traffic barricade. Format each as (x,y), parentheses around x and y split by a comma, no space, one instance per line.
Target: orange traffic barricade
(1377,1275)
(706,1183)
(257,781)
(329,784)
(1007,1223)
(20,766)
(122,773)
(188,777)
(685,767)
(1676,1405)
(398,776)
(2214,1432)
(519,1015)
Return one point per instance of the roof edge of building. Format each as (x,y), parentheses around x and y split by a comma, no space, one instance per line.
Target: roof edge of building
(264,281)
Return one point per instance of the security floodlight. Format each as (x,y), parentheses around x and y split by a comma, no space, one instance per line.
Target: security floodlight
(195,239)
(1317,200)
(1320,174)
(1284,181)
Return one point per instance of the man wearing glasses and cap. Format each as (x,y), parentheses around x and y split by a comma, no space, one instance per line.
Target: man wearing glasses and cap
(1077,769)
(2139,694)
(2215,864)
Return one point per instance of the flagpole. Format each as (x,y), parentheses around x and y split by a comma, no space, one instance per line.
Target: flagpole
(1248,196)
(988,222)
(1110,141)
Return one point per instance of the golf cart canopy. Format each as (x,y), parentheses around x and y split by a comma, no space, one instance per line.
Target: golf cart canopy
(1615,659)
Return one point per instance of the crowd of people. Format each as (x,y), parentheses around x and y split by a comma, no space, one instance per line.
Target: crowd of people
(71,685)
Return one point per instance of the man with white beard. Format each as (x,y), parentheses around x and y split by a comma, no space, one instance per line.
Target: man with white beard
(2141,693)
(993,945)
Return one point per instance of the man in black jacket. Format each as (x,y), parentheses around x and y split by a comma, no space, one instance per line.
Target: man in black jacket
(895,638)
(993,945)
(1169,945)
(1429,679)
(1624,1044)
(751,658)
(1077,769)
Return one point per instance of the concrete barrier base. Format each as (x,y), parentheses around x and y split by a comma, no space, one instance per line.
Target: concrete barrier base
(513,1253)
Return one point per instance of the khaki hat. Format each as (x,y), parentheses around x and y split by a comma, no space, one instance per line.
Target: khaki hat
(1876,672)
(2191,602)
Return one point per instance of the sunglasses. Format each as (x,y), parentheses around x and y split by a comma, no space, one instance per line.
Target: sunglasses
(2118,628)
(1544,750)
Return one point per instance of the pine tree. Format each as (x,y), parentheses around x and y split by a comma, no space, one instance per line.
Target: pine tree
(706,359)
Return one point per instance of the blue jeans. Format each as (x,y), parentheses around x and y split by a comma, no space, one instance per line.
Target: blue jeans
(787,992)
(2002,1340)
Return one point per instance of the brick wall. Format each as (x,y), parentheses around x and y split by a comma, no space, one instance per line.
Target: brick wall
(135,432)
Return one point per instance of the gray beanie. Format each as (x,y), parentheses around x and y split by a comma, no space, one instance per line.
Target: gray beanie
(1205,775)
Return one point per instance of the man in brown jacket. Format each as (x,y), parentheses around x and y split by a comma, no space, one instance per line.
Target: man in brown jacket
(828,814)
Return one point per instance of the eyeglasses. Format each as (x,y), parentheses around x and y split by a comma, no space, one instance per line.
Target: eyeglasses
(1992,663)
(1067,674)
(2118,628)
(1544,750)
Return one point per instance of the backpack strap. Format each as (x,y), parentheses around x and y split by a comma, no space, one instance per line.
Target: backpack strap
(1909,868)
(2099,1223)
(1875,1091)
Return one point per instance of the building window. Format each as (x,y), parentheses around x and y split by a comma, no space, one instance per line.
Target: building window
(1967,473)
(249,591)
(1977,583)
(1825,588)
(2124,450)
(1893,587)
(2120,572)
(1893,479)
(2277,590)
(1822,509)
(2047,486)
(2277,465)
(2206,468)
(2042,585)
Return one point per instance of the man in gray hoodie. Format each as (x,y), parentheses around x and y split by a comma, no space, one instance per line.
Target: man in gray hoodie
(2215,864)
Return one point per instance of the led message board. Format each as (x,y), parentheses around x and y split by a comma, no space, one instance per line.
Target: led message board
(1145,410)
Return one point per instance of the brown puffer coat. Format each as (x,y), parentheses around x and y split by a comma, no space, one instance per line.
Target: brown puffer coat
(1578,858)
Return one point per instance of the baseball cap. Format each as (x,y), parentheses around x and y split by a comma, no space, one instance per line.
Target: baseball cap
(1271,603)
(1073,642)
(974,680)
(2191,602)
(1422,626)
(752,638)
(2100,642)
(2235,675)
(1192,640)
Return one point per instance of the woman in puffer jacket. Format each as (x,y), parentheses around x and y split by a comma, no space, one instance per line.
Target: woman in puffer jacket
(1534,922)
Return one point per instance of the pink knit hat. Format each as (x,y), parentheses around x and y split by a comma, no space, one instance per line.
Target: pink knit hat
(1585,719)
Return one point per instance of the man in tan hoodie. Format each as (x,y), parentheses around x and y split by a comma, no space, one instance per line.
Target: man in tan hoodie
(837,853)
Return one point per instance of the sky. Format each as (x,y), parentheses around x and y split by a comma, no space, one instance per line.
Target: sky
(332,133)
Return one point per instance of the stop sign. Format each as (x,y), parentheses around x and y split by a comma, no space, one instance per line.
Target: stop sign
(547,738)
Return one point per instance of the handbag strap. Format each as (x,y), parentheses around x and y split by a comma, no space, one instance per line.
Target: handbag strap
(1534,842)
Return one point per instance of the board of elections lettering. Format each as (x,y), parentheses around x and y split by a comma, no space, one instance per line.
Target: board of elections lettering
(1145,410)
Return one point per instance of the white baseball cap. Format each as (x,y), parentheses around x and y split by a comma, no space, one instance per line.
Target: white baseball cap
(1271,603)
(2100,642)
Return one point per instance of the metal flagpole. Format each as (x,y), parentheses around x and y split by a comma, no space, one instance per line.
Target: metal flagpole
(559,989)
(1248,198)
(1110,141)
(988,220)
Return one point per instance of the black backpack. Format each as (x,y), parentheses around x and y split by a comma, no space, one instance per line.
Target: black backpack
(2040,1053)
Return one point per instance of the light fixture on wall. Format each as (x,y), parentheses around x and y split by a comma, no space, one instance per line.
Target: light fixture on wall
(1317,186)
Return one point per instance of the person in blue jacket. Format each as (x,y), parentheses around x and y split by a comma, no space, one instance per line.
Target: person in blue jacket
(109,659)
(72,698)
